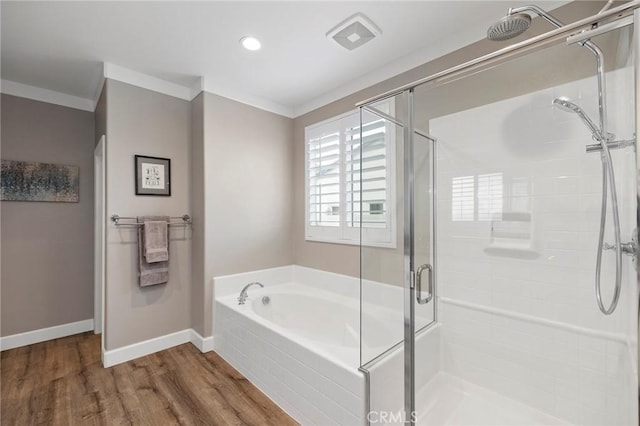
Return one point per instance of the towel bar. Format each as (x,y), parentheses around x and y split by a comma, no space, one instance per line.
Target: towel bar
(116,218)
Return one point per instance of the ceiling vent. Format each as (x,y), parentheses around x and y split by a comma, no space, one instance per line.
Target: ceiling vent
(354,31)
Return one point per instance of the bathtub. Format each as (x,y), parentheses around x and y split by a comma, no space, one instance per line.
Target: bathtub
(323,321)
(297,339)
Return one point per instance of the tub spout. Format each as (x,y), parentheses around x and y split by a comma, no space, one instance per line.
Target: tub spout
(243,294)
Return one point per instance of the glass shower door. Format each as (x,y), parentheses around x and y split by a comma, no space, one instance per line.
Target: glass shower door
(500,324)
(422,338)
(397,279)
(520,338)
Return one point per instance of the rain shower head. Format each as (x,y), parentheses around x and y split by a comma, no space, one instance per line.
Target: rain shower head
(565,104)
(517,21)
(508,27)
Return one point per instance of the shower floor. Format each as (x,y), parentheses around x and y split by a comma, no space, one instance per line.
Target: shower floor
(448,400)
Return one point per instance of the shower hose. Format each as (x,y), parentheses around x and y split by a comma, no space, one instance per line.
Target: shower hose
(608,180)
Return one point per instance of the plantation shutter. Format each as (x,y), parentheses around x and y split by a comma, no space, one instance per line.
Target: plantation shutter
(338,202)
(367,160)
(490,196)
(324,178)
(463,198)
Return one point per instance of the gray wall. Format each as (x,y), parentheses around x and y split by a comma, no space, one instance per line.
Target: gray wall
(101,116)
(200,287)
(234,179)
(249,152)
(345,259)
(47,248)
(242,194)
(143,122)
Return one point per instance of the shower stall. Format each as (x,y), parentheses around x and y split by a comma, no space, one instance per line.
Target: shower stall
(511,292)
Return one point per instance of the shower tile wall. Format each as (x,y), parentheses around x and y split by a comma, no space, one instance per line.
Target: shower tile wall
(518,219)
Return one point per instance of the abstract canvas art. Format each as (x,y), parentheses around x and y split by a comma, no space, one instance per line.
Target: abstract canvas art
(31,181)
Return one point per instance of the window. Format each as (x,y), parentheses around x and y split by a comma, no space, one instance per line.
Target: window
(488,202)
(376,208)
(462,198)
(490,196)
(349,183)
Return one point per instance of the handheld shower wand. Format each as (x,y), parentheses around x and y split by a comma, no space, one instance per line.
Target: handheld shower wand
(515,23)
(607,173)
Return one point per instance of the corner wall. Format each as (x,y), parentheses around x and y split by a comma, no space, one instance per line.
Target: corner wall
(200,287)
(47,248)
(143,122)
(249,156)
(242,194)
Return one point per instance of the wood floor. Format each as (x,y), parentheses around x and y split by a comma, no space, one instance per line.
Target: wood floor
(62,382)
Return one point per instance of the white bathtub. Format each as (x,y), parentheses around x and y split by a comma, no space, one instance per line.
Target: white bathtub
(302,347)
(323,321)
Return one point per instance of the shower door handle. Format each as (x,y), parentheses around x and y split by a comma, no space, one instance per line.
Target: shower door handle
(419,272)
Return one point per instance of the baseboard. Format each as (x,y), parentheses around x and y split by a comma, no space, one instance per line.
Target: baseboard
(44,334)
(116,356)
(157,344)
(147,347)
(204,344)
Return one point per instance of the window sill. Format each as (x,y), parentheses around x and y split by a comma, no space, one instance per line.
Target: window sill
(389,245)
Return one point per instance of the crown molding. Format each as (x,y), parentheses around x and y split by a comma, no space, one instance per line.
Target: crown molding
(247,99)
(13,88)
(202,84)
(197,87)
(438,48)
(145,81)
(392,69)
(99,88)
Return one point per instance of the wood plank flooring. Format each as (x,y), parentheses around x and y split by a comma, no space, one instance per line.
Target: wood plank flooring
(62,382)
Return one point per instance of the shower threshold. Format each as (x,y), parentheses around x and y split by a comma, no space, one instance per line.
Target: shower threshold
(449,400)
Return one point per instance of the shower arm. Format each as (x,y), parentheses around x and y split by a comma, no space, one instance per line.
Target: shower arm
(593,48)
(606,6)
(538,11)
(602,94)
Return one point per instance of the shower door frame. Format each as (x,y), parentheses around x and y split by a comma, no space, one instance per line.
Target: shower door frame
(636,51)
(408,262)
(407,91)
(411,294)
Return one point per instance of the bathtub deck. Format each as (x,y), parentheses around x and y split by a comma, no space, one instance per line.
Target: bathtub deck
(62,382)
(448,400)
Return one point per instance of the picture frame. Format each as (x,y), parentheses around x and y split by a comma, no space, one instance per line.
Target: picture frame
(35,181)
(153,175)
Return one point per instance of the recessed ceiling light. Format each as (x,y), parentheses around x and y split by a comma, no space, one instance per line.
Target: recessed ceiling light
(250,43)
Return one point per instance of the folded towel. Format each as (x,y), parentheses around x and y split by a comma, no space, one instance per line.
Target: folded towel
(151,273)
(156,240)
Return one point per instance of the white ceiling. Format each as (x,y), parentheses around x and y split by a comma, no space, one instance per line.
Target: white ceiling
(61,46)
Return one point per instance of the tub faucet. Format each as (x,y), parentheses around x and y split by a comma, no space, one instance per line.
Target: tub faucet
(243,294)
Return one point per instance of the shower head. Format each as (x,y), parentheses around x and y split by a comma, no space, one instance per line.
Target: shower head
(508,27)
(565,104)
(517,21)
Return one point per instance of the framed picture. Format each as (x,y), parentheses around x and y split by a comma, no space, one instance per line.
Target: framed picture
(153,175)
(32,181)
